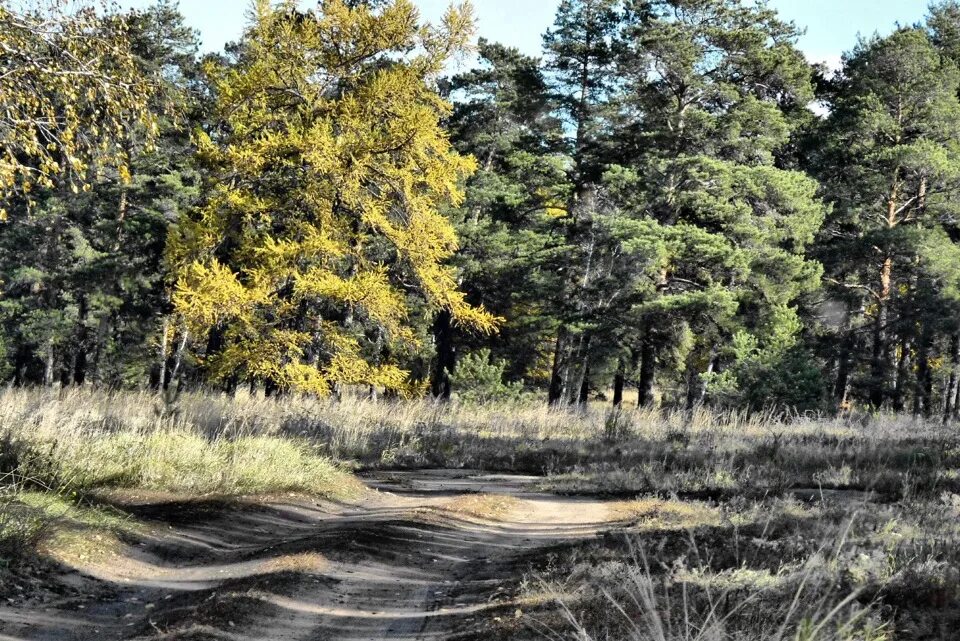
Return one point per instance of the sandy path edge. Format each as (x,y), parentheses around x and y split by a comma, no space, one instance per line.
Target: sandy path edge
(404,563)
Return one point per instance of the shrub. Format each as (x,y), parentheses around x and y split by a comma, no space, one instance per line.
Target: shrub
(478,379)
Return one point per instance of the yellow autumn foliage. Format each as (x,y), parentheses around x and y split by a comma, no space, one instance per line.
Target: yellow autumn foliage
(72,95)
(323,229)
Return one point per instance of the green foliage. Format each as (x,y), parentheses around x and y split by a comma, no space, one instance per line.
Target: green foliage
(504,116)
(652,204)
(722,228)
(480,379)
(82,280)
(890,162)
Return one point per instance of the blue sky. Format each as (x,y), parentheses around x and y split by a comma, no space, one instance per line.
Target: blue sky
(832,25)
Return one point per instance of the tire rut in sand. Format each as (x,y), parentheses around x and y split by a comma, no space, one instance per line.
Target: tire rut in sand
(407,563)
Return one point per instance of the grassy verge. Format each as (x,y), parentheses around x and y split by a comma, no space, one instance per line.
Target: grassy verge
(736,527)
(58,453)
(589,450)
(82,442)
(775,569)
(58,526)
(72,532)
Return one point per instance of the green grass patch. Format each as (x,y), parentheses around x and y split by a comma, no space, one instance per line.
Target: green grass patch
(181,461)
(31,520)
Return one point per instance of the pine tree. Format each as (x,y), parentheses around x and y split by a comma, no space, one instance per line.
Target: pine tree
(890,167)
(580,64)
(506,118)
(713,91)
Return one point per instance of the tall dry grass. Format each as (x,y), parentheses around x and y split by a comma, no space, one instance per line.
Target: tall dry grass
(645,606)
(80,441)
(211,442)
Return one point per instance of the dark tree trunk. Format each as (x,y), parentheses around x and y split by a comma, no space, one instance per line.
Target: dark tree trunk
(270,388)
(559,373)
(878,364)
(446,359)
(924,383)
(216,339)
(81,358)
(20,364)
(99,347)
(951,392)
(618,382)
(66,372)
(903,376)
(841,387)
(231,384)
(648,371)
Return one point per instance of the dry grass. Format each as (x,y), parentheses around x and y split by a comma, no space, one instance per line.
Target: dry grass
(589,450)
(657,514)
(58,452)
(646,605)
(81,442)
(711,499)
(483,506)
(753,570)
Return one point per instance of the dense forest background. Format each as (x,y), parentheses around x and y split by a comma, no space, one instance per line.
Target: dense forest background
(670,206)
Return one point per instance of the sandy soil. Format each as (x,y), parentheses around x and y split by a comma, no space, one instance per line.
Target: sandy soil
(407,562)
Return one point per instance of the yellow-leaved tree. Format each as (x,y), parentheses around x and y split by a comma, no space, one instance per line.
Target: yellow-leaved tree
(321,237)
(72,94)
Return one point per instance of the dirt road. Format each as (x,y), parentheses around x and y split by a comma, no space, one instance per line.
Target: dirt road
(427,555)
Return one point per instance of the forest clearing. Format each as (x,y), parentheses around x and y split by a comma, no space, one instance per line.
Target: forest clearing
(372,520)
(380,319)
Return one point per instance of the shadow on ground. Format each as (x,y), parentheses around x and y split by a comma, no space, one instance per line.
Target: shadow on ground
(408,563)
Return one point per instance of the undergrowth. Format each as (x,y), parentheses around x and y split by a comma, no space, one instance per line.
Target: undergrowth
(731,510)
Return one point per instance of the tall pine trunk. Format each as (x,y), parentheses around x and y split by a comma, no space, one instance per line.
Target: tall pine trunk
(446,359)
(879,362)
(619,379)
(648,371)
(951,392)
(560,370)
(77,372)
(878,359)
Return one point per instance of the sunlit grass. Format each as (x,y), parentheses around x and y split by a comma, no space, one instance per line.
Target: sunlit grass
(734,511)
(657,514)
(59,526)
(484,506)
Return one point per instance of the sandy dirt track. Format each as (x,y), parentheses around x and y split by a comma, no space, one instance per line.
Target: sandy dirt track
(424,556)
